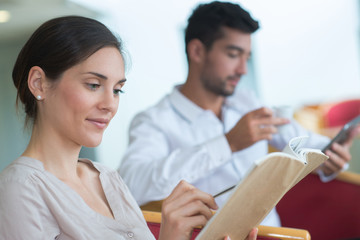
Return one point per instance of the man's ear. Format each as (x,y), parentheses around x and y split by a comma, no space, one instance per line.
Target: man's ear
(37,82)
(196,50)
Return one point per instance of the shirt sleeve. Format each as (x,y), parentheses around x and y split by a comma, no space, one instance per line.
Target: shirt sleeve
(331,177)
(22,211)
(294,129)
(151,170)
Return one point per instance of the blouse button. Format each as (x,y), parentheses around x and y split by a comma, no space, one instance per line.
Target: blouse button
(130,234)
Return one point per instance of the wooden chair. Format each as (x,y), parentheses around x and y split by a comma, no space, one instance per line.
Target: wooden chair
(153,220)
(327,210)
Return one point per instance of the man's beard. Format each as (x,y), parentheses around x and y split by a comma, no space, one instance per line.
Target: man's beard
(217,86)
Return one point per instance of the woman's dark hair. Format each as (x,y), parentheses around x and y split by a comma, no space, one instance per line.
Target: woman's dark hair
(56,46)
(207,21)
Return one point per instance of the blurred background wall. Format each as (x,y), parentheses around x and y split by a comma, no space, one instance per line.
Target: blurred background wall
(306,52)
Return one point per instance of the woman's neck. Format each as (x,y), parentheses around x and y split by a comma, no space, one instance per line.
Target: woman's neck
(58,155)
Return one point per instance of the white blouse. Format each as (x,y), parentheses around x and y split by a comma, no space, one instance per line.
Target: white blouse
(34,204)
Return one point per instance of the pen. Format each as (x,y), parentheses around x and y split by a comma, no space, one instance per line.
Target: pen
(226,190)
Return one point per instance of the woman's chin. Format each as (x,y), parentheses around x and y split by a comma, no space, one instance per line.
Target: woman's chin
(91,144)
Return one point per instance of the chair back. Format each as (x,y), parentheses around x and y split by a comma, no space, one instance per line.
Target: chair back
(338,114)
(327,210)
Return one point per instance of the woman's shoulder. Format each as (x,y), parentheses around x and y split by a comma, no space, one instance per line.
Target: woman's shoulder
(21,201)
(20,182)
(21,170)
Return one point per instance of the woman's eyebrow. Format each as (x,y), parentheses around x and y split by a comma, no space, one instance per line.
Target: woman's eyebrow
(99,75)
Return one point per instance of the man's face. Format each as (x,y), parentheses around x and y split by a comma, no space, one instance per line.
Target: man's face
(225,62)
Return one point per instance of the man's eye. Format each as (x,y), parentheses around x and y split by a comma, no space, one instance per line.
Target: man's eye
(232,55)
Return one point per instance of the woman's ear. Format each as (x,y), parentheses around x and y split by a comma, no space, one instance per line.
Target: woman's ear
(37,82)
(196,51)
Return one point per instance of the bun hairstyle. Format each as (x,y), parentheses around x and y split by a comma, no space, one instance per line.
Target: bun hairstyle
(56,46)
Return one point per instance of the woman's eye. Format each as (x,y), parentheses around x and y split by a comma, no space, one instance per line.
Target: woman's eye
(93,86)
(118,91)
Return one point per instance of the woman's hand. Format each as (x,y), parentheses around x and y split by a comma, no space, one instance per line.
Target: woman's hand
(253,234)
(186,208)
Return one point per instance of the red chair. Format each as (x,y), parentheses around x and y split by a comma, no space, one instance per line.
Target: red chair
(338,114)
(153,220)
(327,210)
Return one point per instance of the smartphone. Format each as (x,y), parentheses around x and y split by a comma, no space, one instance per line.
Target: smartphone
(343,135)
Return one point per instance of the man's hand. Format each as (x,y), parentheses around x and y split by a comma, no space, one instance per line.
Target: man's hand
(253,127)
(339,155)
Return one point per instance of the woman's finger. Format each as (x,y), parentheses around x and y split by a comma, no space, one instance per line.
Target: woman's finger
(253,234)
(188,194)
(196,208)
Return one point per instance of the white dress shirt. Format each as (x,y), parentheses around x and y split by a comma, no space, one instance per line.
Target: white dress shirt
(34,204)
(177,139)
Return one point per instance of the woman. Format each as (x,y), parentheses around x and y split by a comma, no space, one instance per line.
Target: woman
(69,76)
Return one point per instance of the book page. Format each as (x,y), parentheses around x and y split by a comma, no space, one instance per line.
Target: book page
(253,198)
(295,147)
(314,158)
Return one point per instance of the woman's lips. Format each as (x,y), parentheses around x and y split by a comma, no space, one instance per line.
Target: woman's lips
(100,123)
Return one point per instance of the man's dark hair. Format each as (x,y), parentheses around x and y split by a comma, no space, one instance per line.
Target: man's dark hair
(207,21)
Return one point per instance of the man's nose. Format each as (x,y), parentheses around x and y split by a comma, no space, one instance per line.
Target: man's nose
(242,66)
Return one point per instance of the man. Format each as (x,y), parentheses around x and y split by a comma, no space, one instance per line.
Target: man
(199,133)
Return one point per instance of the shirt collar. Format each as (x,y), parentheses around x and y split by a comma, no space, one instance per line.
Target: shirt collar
(230,102)
(184,106)
(190,110)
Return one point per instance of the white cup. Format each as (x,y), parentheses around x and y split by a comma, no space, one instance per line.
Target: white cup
(283,112)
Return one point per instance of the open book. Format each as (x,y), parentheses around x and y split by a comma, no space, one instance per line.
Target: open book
(261,189)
